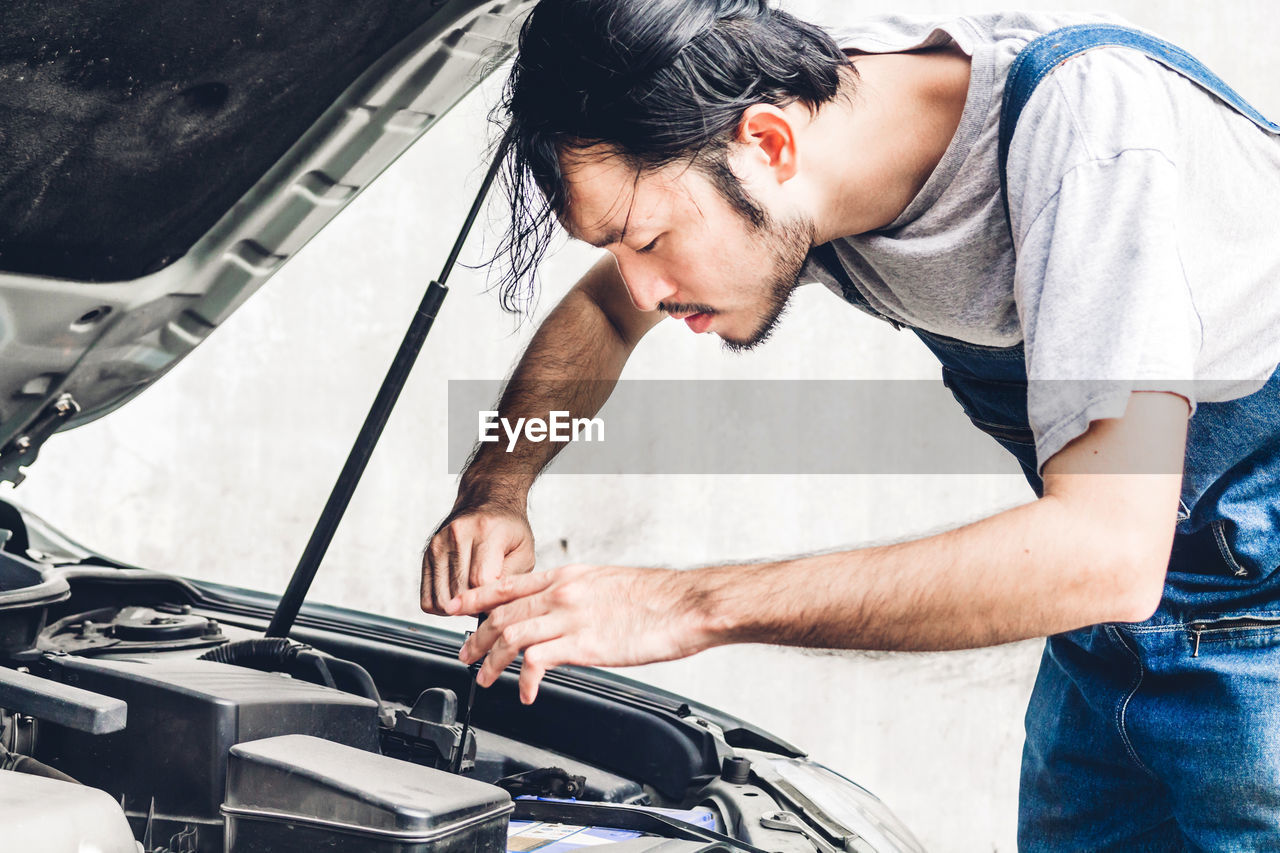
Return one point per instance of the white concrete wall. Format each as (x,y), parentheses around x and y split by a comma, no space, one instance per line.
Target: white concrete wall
(220,470)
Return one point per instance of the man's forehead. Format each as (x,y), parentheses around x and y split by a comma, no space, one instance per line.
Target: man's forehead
(607,195)
(600,191)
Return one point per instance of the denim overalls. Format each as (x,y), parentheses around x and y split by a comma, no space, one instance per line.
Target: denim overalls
(1162,735)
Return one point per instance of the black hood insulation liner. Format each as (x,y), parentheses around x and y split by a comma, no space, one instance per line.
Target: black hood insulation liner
(158,115)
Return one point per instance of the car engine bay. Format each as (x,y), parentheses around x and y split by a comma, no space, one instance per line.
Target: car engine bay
(144,712)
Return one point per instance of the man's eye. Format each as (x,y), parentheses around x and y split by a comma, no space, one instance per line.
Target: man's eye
(649,247)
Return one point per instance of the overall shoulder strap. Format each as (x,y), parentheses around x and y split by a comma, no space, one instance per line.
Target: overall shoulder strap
(1042,55)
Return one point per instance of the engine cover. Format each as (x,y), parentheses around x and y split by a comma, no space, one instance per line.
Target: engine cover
(184,716)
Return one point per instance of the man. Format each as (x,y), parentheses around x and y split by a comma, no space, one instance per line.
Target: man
(1116,327)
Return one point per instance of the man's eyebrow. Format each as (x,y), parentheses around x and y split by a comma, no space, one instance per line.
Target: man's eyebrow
(611,235)
(608,238)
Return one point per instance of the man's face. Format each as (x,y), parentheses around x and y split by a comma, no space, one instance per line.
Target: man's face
(683,248)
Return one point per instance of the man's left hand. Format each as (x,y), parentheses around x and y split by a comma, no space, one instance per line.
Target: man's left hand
(583,615)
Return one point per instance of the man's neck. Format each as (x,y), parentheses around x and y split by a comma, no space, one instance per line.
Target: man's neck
(873,151)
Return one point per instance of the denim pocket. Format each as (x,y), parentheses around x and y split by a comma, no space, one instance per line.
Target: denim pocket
(1261,628)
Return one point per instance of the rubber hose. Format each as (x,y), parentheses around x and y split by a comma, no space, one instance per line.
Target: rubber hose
(267,651)
(363,680)
(26,764)
(272,653)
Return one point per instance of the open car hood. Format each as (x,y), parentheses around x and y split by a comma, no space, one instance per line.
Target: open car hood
(161,159)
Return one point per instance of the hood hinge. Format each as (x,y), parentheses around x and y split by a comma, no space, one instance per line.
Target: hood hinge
(23,449)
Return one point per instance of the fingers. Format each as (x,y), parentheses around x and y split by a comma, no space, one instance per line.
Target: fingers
(577,614)
(539,657)
(549,617)
(540,638)
(481,642)
(503,625)
(440,567)
(515,639)
(485,598)
(426,594)
(537,660)
(455,577)
(435,568)
(471,550)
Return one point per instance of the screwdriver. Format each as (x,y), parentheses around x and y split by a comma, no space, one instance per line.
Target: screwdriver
(471,699)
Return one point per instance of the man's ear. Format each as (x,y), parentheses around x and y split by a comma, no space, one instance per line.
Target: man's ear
(771,140)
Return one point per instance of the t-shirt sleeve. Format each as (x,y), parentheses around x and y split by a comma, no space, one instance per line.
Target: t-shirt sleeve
(1102,296)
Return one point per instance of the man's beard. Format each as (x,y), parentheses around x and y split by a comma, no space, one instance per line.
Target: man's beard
(789,243)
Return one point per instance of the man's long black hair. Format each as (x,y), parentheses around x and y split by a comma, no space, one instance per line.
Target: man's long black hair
(657,82)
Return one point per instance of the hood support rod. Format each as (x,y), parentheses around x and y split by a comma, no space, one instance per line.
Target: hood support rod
(374,422)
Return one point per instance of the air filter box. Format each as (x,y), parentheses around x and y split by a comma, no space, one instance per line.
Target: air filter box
(184,715)
(301,793)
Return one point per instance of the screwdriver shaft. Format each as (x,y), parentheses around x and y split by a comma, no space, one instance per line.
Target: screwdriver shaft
(471,699)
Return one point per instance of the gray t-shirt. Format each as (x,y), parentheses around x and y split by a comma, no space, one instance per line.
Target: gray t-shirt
(1146,251)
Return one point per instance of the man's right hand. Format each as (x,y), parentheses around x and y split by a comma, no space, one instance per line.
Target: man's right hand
(472,547)
(571,364)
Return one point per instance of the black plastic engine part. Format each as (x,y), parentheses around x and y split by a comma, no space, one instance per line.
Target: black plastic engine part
(26,591)
(544,782)
(184,716)
(736,770)
(300,793)
(54,702)
(430,734)
(17,731)
(271,654)
(635,736)
(11,522)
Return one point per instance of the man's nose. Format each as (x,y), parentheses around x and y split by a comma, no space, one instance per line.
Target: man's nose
(646,285)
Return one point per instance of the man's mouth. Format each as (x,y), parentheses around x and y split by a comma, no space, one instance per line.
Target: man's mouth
(698,321)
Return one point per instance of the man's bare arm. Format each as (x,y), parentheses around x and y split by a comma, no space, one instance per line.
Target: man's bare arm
(571,365)
(1093,549)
